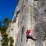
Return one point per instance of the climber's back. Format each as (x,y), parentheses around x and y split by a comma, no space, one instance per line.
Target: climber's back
(28,32)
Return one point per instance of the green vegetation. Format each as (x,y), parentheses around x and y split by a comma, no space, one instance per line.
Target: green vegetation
(5,41)
(4,24)
(3,27)
(17,2)
(11,41)
(44,38)
(13,13)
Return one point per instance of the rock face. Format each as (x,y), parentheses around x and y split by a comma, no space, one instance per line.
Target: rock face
(0,39)
(29,14)
(44,43)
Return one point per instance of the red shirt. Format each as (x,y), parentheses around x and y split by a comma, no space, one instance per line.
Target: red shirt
(27,32)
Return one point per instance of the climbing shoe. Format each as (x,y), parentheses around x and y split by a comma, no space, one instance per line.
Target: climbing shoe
(34,39)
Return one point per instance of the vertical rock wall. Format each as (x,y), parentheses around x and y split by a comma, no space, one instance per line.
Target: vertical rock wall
(27,15)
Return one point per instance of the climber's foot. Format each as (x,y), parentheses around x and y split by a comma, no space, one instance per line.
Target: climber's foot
(34,39)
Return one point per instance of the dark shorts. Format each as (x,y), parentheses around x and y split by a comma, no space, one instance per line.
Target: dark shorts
(28,36)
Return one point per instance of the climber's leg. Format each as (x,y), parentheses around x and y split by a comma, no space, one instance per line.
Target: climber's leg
(26,38)
(30,37)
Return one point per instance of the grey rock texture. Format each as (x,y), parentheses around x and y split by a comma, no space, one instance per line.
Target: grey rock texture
(29,14)
(0,39)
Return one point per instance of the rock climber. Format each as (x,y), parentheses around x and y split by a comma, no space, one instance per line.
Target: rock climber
(28,35)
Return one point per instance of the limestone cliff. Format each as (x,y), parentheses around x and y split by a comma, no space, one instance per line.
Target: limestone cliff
(29,14)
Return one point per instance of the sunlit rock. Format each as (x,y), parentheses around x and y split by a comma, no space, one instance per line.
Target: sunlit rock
(29,14)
